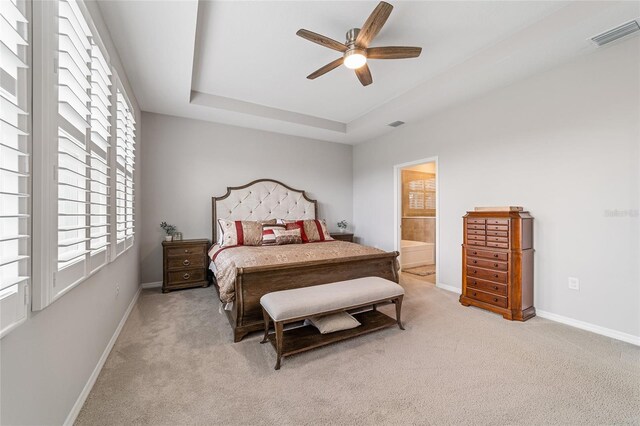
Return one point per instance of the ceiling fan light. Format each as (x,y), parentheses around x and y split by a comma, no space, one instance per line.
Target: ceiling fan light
(354,59)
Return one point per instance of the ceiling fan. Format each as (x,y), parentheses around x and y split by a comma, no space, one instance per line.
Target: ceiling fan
(356,50)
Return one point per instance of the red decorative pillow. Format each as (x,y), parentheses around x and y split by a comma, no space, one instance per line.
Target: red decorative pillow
(269,234)
(311,230)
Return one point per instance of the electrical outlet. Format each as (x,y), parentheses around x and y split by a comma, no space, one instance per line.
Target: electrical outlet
(117,289)
(574,283)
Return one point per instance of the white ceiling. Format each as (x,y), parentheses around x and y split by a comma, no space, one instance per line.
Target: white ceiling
(240,62)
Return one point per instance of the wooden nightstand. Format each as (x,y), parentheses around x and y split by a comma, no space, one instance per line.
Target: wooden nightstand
(342,236)
(184,264)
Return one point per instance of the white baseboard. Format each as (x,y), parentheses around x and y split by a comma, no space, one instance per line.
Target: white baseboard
(449,288)
(154,284)
(614,334)
(73,414)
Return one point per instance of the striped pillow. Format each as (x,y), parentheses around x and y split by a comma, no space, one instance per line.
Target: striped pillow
(240,233)
(269,235)
(311,230)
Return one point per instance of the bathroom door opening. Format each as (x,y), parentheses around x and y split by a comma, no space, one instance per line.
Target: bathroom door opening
(416,224)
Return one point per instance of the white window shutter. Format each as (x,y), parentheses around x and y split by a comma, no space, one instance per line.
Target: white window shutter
(15,186)
(125,166)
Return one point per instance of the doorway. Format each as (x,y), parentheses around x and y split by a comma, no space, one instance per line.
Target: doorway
(417,219)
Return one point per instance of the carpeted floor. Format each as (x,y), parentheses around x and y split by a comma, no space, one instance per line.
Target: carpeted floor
(175,364)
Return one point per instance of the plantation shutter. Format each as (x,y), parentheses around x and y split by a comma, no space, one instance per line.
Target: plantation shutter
(15,185)
(74,145)
(125,162)
(99,170)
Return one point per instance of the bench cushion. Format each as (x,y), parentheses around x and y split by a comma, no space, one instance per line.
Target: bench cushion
(309,301)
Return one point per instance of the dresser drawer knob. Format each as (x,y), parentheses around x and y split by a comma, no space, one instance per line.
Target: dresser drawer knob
(474,253)
(495,265)
(187,251)
(186,262)
(475,294)
(475,272)
(495,255)
(495,275)
(495,299)
(475,261)
(495,287)
(186,276)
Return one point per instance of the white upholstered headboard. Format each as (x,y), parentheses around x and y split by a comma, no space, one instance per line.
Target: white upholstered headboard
(262,199)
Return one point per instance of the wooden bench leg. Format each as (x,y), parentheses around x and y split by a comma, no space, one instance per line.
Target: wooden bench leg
(398,303)
(265,315)
(279,328)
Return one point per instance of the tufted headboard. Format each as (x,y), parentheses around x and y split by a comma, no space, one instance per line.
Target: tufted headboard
(261,199)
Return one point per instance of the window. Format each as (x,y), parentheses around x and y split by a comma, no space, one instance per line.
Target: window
(15,185)
(125,159)
(85,214)
(419,193)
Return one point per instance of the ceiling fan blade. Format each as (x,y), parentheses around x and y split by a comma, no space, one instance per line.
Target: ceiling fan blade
(374,24)
(322,40)
(393,52)
(364,75)
(326,68)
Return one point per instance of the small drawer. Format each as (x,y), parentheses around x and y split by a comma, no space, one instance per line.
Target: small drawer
(498,239)
(497,221)
(494,288)
(186,250)
(188,261)
(489,264)
(487,297)
(475,227)
(476,243)
(498,233)
(476,221)
(475,232)
(186,276)
(498,245)
(497,228)
(486,274)
(476,237)
(488,254)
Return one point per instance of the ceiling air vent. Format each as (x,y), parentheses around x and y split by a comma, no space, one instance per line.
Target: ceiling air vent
(396,123)
(616,33)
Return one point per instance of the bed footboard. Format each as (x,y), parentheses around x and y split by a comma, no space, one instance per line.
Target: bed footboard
(254,282)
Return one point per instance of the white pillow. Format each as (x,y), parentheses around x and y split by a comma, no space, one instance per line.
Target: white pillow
(333,322)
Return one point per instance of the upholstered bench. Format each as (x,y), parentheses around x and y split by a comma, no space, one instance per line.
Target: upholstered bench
(288,306)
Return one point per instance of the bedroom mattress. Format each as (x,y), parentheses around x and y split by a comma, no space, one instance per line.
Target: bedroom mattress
(226,260)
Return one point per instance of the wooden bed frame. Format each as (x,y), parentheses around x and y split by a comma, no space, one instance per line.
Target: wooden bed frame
(254,282)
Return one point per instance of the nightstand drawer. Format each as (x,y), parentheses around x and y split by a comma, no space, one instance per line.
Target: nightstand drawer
(186,276)
(342,236)
(185,261)
(186,250)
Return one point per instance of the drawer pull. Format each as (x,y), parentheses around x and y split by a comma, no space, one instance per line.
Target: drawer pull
(495,287)
(187,251)
(495,299)
(495,275)
(475,294)
(495,255)
(495,265)
(186,276)
(475,261)
(186,262)
(475,252)
(475,272)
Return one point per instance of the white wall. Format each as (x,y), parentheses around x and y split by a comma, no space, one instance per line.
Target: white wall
(563,144)
(189,161)
(46,362)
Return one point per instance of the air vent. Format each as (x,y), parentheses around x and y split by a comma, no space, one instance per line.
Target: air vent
(616,33)
(396,123)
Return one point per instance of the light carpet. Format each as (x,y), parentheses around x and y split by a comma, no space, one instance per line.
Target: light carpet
(175,364)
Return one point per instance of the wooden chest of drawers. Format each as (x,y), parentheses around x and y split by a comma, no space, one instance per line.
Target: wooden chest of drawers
(497,263)
(185,264)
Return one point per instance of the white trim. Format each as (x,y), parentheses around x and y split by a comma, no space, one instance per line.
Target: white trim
(154,284)
(397,206)
(75,410)
(614,334)
(450,288)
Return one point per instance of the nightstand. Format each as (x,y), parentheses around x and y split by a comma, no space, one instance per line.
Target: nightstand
(184,264)
(342,236)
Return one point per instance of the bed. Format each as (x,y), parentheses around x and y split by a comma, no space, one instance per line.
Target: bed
(255,271)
